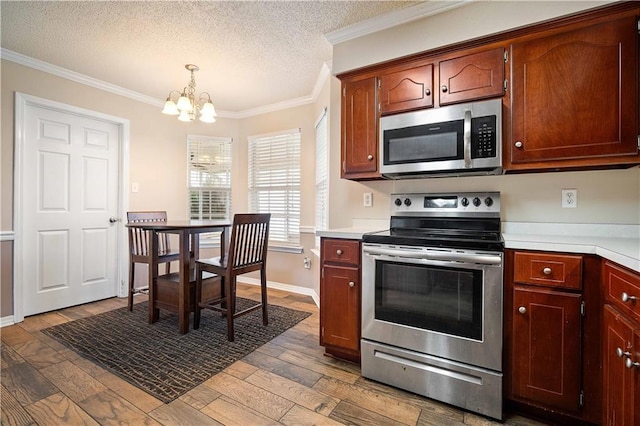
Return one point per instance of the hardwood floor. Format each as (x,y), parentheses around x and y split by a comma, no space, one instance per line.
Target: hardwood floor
(287,381)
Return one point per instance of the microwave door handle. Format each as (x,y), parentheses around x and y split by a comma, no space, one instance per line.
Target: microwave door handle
(467,139)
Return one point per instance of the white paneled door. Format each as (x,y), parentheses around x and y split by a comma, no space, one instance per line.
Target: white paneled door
(69,190)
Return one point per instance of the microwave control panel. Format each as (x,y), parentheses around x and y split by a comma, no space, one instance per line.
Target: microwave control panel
(483,137)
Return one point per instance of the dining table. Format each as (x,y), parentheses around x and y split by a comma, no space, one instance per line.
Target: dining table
(188,232)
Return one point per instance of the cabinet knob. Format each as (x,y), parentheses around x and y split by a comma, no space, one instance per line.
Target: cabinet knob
(518,144)
(427,92)
(622,353)
(444,88)
(546,271)
(351,284)
(369,157)
(626,298)
(630,364)
(339,252)
(522,310)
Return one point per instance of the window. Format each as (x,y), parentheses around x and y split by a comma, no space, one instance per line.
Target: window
(322,175)
(274,182)
(209,164)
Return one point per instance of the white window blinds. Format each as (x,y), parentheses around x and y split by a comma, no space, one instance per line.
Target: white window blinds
(322,173)
(274,182)
(209,168)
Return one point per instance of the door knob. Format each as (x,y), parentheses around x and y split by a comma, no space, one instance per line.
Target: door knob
(522,310)
(351,284)
(113,219)
(444,88)
(369,157)
(518,144)
(620,353)
(625,297)
(630,364)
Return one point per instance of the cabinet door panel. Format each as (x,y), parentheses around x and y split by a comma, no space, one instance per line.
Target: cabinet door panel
(547,347)
(340,304)
(618,380)
(360,129)
(475,76)
(408,89)
(574,95)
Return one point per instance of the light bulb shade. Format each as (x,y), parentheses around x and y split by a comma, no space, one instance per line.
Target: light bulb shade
(184,104)
(184,116)
(207,118)
(170,108)
(208,109)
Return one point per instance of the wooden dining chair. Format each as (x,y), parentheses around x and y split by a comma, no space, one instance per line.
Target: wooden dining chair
(247,252)
(139,248)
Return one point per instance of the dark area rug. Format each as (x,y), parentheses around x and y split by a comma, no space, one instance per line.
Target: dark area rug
(156,357)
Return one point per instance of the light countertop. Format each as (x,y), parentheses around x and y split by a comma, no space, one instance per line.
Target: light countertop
(618,243)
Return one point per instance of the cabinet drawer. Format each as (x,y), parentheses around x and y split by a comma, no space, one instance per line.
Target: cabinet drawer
(549,270)
(622,289)
(341,251)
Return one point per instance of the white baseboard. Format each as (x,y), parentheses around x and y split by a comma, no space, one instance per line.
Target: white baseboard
(284,287)
(5,321)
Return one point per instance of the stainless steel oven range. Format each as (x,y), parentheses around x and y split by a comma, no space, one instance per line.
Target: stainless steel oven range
(432,299)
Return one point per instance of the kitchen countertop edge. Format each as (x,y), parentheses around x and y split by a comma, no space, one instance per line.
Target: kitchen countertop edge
(623,251)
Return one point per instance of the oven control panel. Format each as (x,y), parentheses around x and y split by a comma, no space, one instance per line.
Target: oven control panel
(454,204)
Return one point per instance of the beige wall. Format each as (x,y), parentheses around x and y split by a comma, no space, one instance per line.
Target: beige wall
(157,158)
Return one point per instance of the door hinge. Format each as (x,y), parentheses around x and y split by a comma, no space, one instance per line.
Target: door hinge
(638,26)
(344,92)
(379,107)
(344,166)
(321,331)
(638,141)
(582,308)
(581,398)
(506,56)
(506,84)
(379,84)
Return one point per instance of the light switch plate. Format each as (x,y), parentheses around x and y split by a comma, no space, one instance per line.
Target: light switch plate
(367,199)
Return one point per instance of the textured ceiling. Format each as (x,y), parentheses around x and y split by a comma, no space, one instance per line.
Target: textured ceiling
(250,53)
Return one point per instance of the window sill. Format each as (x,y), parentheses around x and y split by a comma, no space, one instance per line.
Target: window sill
(279,248)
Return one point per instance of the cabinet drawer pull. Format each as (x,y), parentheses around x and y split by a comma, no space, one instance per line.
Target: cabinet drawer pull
(339,252)
(351,284)
(630,364)
(622,353)
(522,310)
(369,157)
(518,144)
(546,271)
(626,298)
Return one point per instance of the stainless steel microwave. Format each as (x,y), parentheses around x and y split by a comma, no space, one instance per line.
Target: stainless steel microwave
(453,140)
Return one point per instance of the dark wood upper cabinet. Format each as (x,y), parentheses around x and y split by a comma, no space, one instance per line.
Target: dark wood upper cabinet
(470,77)
(359,129)
(407,89)
(574,98)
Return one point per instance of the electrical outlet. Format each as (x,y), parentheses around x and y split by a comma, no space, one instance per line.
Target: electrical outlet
(135,187)
(367,199)
(307,263)
(569,198)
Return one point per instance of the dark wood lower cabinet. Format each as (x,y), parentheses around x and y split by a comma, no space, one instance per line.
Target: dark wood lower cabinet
(340,298)
(547,341)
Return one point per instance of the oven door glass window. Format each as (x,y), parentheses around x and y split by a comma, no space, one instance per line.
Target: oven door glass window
(441,299)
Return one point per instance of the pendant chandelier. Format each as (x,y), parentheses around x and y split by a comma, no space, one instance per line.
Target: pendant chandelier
(186,107)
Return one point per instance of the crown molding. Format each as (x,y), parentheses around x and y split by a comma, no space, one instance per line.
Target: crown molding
(402,16)
(30,62)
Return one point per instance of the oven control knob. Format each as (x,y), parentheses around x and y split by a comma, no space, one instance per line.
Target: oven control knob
(476,201)
(488,201)
(464,201)
(398,202)
(407,202)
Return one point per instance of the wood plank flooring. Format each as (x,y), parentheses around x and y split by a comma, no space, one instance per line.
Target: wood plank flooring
(287,381)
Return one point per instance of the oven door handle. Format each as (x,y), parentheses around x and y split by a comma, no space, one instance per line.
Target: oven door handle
(483,259)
